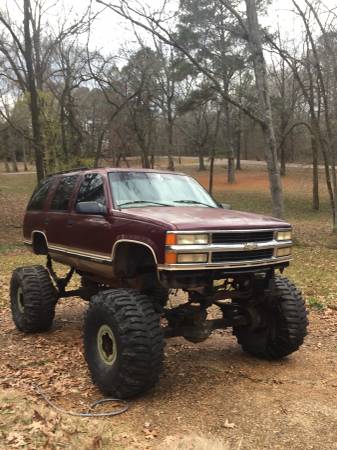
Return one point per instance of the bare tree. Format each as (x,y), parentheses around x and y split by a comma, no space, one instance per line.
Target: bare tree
(154,24)
(27,50)
(309,74)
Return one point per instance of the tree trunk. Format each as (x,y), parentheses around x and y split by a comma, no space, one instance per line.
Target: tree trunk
(240,141)
(145,159)
(283,128)
(6,152)
(283,170)
(229,144)
(33,97)
(63,132)
(231,168)
(213,151)
(265,109)
(24,155)
(7,168)
(292,147)
(202,166)
(238,153)
(211,174)
(13,159)
(126,161)
(98,153)
(315,191)
(245,141)
(170,141)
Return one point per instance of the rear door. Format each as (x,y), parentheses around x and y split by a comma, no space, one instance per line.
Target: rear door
(57,218)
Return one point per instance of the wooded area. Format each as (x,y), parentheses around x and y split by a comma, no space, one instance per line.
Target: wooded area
(203,79)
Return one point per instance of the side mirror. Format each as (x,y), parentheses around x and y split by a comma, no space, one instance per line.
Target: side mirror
(225,206)
(91,208)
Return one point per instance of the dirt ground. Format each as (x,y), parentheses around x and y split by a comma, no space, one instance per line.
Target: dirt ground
(212,389)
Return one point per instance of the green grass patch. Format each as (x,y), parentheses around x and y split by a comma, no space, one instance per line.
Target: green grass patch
(5,248)
(313,303)
(315,252)
(17,183)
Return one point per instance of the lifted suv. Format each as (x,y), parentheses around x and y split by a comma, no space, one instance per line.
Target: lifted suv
(132,235)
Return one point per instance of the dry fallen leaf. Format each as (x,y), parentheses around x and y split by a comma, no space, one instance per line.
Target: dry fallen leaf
(227,424)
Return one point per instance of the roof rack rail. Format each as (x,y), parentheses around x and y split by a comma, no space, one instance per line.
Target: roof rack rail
(75,169)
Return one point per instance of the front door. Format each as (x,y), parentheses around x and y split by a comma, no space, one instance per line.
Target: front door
(90,235)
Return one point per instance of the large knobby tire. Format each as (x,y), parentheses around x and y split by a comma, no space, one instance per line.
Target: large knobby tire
(285,324)
(33,299)
(123,342)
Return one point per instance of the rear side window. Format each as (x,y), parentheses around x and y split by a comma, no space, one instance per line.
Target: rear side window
(63,193)
(39,196)
(92,189)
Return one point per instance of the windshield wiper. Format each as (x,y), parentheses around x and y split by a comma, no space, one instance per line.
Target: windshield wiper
(193,202)
(135,202)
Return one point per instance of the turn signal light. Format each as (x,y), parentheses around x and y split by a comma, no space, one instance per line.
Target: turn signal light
(171,239)
(170,258)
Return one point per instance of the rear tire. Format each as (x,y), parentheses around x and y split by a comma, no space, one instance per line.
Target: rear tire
(123,342)
(33,299)
(285,324)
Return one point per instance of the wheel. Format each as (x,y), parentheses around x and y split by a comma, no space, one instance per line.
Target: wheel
(123,342)
(283,324)
(33,299)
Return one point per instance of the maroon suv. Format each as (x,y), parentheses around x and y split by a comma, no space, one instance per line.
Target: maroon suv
(134,234)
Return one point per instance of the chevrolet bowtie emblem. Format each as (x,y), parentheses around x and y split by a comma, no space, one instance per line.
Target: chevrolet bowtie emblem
(250,246)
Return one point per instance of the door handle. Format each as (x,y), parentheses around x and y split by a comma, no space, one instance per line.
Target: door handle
(70,222)
(46,221)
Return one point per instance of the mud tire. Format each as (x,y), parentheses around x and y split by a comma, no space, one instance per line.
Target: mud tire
(33,298)
(137,336)
(286,324)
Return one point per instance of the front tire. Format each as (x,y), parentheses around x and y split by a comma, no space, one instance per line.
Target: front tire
(123,342)
(284,324)
(33,299)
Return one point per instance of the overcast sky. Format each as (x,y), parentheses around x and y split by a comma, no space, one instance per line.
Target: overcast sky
(110,32)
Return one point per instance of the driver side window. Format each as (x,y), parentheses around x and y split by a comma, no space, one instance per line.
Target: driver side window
(92,189)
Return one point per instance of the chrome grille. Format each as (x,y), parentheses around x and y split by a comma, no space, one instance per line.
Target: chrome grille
(242,238)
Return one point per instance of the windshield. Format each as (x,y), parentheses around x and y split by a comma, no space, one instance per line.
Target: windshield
(139,189)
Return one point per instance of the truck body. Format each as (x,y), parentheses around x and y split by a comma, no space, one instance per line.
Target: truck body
(98,242)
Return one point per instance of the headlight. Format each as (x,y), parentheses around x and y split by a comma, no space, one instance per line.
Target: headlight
(187,239)
(285,251)
(284,235)
(192,239)
(192,258)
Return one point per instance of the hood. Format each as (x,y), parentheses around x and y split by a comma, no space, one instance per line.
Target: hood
(200,218)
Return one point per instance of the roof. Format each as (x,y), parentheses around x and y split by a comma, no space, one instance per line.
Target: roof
(115,169)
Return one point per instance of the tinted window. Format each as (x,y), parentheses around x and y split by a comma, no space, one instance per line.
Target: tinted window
(40,195)
(63,193)
(91,189)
